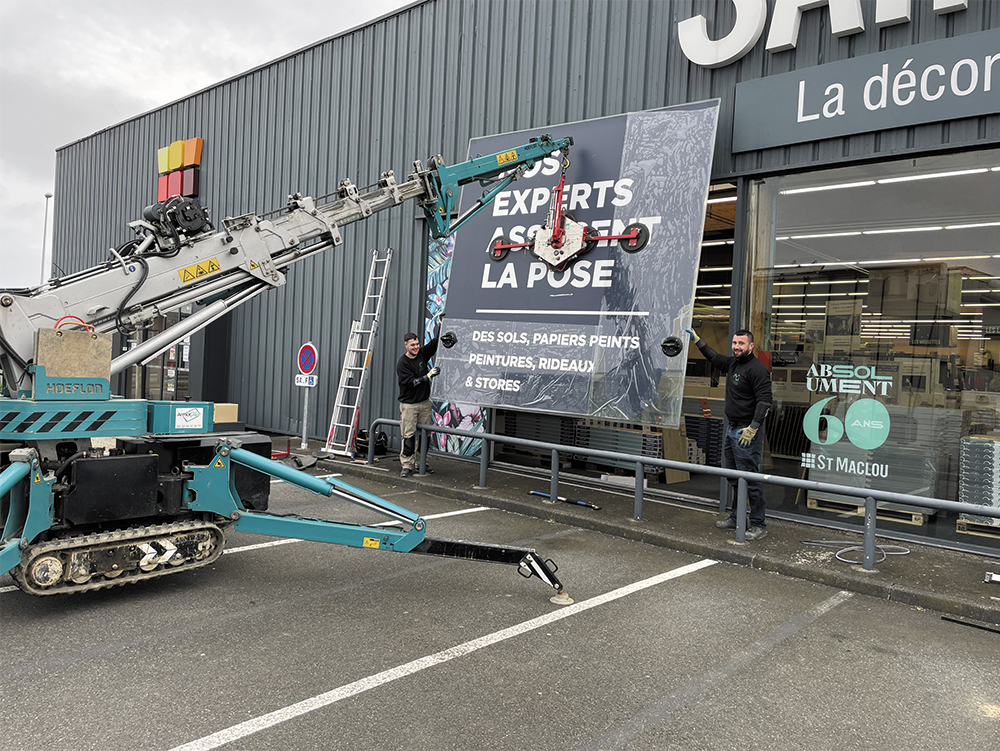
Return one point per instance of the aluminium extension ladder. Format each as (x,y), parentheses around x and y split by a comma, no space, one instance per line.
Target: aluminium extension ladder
(344,420)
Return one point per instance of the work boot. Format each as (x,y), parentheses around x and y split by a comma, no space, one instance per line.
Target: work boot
(406,472)
(727,523)
(755,533)
(428,471)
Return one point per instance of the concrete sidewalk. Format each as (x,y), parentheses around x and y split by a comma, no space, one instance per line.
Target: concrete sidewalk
(928,577)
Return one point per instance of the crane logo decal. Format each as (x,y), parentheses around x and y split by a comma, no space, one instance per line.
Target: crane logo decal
(196,271)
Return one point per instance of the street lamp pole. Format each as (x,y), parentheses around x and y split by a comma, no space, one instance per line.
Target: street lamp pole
(45,230)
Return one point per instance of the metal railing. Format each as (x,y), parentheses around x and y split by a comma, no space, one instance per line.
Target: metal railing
(871,497)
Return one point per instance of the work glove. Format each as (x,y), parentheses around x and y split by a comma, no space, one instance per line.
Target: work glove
(433,372)
(747,435)
(690,332)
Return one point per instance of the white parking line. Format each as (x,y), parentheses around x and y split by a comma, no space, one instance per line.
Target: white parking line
(273,543)
(259,545)
(249,727)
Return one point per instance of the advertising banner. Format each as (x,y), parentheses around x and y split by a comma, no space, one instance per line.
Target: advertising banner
(585,340)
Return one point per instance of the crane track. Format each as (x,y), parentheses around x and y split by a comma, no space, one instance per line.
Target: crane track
(114,559)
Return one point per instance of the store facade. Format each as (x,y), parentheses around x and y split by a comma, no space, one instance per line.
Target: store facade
(852,221)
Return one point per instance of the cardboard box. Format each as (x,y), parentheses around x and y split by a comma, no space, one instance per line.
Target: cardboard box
(227,413)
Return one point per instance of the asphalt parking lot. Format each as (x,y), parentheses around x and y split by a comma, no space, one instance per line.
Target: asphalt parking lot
(300,645)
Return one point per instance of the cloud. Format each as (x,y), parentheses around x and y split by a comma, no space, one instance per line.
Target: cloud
(70,68)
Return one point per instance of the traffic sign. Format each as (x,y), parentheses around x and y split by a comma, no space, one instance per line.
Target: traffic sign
(306,380)
(307,359)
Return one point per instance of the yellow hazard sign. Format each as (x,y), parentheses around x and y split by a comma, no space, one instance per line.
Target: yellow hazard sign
(507,157)
(199,270)
(371,542)
(38,478)
(219,464)
(253,265)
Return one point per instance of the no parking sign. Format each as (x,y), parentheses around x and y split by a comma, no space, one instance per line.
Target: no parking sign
(307,360)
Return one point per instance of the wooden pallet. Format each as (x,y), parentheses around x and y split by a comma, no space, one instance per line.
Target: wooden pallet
(888,513)
(611,469)
(527,456)
(978,528)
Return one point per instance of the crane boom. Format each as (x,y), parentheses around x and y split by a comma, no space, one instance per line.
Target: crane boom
(178,259)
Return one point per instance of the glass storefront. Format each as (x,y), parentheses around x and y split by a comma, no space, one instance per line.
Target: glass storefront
(875,296)
(166,377)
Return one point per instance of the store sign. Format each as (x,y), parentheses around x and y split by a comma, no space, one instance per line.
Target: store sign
(944,80)
(585,340)
(845,19)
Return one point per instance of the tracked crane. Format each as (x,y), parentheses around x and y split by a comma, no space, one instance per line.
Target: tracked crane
(76,517)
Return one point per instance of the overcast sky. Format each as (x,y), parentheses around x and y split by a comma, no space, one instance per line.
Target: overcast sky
(69,68)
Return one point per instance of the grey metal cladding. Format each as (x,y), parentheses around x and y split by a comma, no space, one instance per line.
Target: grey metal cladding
(423,81)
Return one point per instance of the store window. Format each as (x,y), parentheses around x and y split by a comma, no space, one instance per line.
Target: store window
(875,293)
(166,376)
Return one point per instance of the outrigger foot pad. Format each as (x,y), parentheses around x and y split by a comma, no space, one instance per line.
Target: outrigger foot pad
(561,599)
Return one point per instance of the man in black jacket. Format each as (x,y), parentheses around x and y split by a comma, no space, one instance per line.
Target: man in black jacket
(748,400)
(414,397)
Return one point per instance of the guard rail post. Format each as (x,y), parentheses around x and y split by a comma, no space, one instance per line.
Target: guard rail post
(554,482)
(423,451)
(484,460)
(741,510)
(637,506)
(871,511)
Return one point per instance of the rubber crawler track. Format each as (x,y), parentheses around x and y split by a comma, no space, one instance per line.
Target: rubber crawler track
(136,534)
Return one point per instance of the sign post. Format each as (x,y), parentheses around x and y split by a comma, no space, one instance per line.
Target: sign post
(307,360)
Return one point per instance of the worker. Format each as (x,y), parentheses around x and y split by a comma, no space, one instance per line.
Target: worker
(414,397)
(748,400)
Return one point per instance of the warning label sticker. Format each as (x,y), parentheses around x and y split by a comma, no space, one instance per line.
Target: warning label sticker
(196,271)
(371,542)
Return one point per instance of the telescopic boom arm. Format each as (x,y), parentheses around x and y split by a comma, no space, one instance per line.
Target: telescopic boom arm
(177,259)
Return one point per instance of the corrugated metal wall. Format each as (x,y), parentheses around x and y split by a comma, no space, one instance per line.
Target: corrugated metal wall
(420,82)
